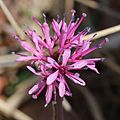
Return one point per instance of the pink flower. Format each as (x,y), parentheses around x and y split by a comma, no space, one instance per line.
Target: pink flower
(57,56)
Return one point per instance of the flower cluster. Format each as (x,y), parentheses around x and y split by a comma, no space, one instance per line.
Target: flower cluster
(58,57)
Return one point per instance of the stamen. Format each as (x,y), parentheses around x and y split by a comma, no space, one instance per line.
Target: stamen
(40,90)
(77,20)
(45,105)
(85,68)
(103,42)
(103,59)
(20,54)
(64,16)
(13,53)
(44,17)
(34,96)
(73,14)
(84,14)
(17,38)
(88,29)
(36,20)
(81,19)
(58,18)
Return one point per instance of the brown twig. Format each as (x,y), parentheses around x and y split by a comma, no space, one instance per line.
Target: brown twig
(103,33)
(11,19)
(15,100)
(15,113)
(58,109)
(9,60)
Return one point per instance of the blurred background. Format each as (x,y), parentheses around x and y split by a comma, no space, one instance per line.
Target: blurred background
(99,100)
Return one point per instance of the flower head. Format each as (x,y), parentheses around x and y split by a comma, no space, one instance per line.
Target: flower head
(57,56)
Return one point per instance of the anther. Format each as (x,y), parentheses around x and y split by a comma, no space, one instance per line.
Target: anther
(44,17)
(58,18)
(34,96)
(84,14)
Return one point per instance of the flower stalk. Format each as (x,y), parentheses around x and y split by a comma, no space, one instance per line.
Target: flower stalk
(58,113)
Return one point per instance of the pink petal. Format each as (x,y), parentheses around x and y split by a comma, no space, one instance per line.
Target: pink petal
(52,44)
(94,48)
(27,47)
(33,89)
(63,35)
(95,59)
(92,67)
(79,37)
(43,69)
(64,26)
(33,71)
(86,45)
(42,42)
(76,79)
(68,93)
(48,95)
(53,62)
(66,56)
(85,52)
(52,78)
(41,85)
(73,29)
(71,25)
(78,65)
(62,39)
(55,27)
(35,40)
(60,24)
(35,19)
(48,65)
(61,89)
(46,31)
